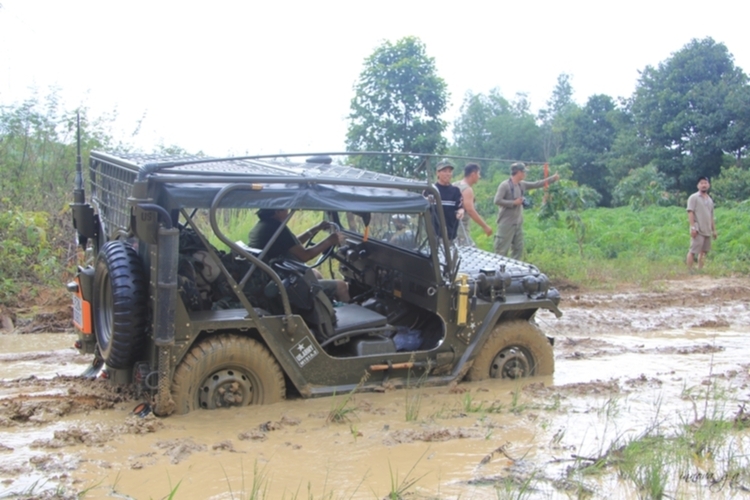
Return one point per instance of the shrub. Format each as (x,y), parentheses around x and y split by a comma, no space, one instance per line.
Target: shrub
(732,184)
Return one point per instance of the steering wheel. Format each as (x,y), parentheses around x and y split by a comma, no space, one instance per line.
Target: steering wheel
(332,228)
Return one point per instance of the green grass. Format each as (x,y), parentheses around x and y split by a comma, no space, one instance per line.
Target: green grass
(343,410)
(626,246)
(704,452)
(399,487)
(469,405)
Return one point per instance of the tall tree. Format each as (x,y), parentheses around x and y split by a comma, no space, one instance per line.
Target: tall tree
(398,101)
(553,117)
(685,108)
(589,136)
(490,126)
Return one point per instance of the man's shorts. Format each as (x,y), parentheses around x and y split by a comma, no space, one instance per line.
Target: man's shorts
(700,244)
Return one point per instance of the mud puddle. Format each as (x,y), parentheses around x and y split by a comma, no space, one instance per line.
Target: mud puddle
(622,366)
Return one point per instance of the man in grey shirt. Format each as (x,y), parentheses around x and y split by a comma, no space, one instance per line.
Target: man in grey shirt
(509,198)
(700,209)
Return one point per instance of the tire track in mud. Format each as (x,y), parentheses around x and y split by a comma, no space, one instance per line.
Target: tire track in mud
(39,401)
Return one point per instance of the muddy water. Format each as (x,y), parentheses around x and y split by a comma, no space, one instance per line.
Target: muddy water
(624,362)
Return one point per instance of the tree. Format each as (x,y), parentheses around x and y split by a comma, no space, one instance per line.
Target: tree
(685,108)
(589,135)
(629,149)
(490,126)
(553,118)
(398,101)
(38,151)
(732,185)
(737,137)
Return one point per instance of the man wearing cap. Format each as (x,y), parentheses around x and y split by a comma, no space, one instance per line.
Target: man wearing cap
(287,244)
(700,209)
(466,186)
(509,197)
(450,195)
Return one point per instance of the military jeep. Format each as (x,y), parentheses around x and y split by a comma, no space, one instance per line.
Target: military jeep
(173,301)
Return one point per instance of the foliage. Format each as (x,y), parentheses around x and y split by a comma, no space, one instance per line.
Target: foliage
(643,187)
(490,126)
(623,245)
(38,150)
(38,155)
(628,151)
(689,116)
(688,105)
(397,106)
(568,197)
(553,118)
(733,184)
(589,137)
(27,254)
(342,411)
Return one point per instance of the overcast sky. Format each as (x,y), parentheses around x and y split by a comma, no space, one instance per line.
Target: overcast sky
(251,76)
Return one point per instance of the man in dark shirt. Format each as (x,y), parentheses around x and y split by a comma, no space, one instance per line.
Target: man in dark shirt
(453,207)
(287,244)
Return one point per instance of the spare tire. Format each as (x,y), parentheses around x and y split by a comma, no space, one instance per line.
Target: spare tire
(120,312)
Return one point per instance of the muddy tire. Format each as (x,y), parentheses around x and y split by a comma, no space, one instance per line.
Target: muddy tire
(120,295)
(514,349)
(224,371)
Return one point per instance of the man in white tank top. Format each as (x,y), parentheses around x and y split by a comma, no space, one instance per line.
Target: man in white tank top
(471,177)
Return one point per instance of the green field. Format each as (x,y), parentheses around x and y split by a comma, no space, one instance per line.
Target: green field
(621,245)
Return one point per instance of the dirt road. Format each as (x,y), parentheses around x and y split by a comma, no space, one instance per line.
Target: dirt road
(626,362)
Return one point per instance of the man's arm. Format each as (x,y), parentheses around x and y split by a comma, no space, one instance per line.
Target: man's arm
(304,254)
(310,233)
(535,185)
(502,191)
(459,204)
(472,211)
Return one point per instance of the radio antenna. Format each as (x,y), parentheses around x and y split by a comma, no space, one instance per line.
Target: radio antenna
(79,195)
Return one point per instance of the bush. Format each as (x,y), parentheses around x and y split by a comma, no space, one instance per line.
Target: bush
(643,187)
(732,184)
(27,254)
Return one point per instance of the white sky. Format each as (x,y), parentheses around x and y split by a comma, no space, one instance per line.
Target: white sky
(234,77)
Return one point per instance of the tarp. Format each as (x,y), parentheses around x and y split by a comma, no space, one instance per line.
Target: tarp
(301,196)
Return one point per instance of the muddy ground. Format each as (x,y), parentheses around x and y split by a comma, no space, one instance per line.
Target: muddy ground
(626,361)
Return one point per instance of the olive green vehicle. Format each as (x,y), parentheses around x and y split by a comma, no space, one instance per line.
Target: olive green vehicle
(194,318)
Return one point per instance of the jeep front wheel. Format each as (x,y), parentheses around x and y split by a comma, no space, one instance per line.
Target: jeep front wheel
(513,350)
(227,370)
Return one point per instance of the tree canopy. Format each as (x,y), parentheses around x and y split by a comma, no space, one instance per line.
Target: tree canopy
(689,116)
(490,126)
(687,109)
(397,106)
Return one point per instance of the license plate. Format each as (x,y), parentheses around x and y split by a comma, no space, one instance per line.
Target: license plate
(78,311)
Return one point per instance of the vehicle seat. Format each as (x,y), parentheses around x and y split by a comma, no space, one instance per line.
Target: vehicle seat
(351,317)
(331,324)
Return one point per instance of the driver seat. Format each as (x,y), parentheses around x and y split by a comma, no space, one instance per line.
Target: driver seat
(331,324)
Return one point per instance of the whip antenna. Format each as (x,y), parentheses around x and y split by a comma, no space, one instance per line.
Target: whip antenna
(79,196)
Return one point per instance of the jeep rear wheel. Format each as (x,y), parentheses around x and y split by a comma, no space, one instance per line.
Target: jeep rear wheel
(224,371)
(120,316)
(513,350)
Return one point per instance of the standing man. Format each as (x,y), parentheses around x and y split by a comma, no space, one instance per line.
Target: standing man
(450,195)
(510,198)
(465,185)
(700,209)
